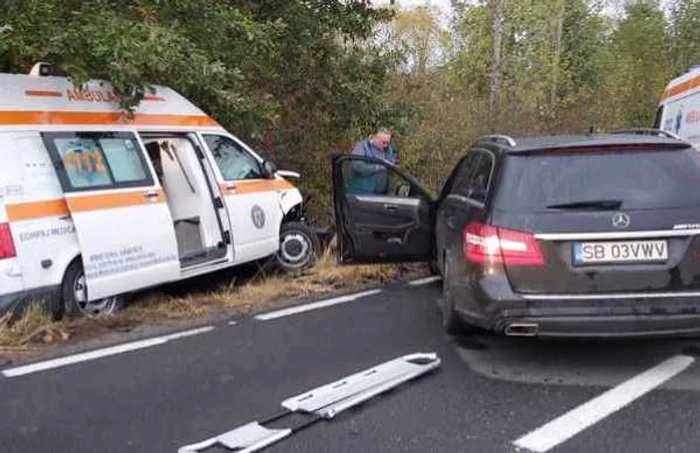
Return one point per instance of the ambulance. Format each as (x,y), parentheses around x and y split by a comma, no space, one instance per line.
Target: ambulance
(95,203)
(678,111)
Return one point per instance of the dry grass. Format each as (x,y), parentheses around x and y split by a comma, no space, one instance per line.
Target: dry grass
(34,327)
(356,274)
(325,277)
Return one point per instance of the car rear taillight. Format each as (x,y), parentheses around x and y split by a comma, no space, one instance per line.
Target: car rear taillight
(487,244)
(7,245)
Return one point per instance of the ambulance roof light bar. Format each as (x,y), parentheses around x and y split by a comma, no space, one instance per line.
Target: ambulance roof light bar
(41,69)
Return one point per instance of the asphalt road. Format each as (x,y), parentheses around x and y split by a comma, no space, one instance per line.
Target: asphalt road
(488,393)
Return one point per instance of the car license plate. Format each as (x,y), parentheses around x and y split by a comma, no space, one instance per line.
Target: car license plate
(620,252)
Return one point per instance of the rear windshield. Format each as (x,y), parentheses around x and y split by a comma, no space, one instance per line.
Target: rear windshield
(638,179)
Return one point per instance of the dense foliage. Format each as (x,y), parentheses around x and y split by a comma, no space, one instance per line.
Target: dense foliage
(299,79)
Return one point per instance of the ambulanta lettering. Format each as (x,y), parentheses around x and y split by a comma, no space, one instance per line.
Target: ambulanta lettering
(46,233)
(91,96)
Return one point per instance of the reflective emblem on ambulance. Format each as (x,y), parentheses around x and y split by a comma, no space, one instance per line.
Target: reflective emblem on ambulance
(258,216)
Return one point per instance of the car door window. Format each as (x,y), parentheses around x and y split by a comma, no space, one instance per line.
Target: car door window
(481,178)
(474,177)
(362,177)
(97,160)
(463,178)
(234,162)
(452,179)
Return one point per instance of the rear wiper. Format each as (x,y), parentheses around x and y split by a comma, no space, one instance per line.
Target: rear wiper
(588,204)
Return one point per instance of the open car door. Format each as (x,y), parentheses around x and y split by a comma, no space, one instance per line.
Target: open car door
(382,214)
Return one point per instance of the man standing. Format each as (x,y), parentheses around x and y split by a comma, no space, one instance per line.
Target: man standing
(372,178)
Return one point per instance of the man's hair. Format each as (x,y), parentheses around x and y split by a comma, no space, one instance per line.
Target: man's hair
(382,130)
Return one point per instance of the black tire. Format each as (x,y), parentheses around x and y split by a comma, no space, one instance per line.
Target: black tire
(76,306)
(56,307)
(299,247)
(451,321)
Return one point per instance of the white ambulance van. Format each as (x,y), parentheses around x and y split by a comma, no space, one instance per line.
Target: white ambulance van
(679,109)
(95,204)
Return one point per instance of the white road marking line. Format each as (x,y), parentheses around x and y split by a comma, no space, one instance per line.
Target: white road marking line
(425,281)
(576,420)
(315,305)
(99,353)
(232,323)
(187,333)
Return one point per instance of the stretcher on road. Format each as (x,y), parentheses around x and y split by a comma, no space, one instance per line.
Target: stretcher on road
(322,403)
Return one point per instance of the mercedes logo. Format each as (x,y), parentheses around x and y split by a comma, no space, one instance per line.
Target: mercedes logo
(621,220)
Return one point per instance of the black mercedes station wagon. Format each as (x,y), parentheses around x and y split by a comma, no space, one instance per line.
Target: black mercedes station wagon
(589,236)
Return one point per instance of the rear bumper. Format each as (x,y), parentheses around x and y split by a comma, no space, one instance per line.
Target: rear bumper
(493,308)
(49,295)
(605,326)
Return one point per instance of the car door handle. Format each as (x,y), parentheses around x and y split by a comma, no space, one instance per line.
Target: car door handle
(151,195)
(391,207)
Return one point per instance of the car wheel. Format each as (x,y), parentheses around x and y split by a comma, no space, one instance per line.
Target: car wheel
(74,296)
(451,321)
(299,247)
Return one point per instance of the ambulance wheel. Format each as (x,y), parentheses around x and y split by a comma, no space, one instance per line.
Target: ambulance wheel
(74,295)
(299,247)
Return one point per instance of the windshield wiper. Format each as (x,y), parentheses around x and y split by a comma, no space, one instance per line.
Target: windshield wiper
(588,204)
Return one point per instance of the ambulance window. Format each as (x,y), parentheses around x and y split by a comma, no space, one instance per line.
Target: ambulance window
(94,160)
(123,158)
(233,161)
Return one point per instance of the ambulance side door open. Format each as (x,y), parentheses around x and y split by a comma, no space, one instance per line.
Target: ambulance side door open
(252,198)
(123,224)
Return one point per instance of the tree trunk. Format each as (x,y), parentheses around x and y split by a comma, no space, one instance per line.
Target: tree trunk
(557,59)
(497,29)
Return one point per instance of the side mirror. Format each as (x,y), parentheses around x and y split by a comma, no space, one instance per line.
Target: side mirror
(289,174)
(270,168)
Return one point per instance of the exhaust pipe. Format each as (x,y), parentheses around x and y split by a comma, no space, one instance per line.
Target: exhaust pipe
(522,329)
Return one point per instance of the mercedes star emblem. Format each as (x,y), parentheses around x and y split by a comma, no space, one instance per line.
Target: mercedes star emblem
(621,220)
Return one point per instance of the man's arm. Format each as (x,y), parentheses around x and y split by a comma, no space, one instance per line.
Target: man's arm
(363,168)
